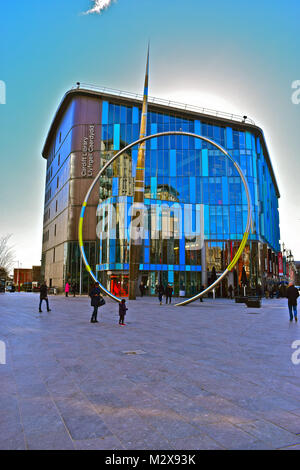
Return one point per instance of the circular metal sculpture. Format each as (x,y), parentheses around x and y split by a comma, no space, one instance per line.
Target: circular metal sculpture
(140,141)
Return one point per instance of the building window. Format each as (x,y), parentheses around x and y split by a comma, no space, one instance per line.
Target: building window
(55,230)
(53,255)
(56,206)
(60,137)
(57,182)
(58,162)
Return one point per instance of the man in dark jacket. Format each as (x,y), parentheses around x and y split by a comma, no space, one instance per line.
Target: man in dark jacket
(160,291)
(44,296)
(169,292)
(95,295)
(292,294)
(141,287)
(74,289)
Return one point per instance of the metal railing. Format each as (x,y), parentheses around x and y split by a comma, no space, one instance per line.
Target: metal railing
(164,102)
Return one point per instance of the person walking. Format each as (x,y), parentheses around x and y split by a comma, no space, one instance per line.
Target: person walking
(122,311)
(230,290)
(67,289)
(73,289)
(259,290)
(44,296)
(96,301)
(160,291)
(141,287)
(202,288)
(292,294)
(169,292)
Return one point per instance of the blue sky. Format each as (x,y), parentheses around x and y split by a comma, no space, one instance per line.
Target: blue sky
(230,55)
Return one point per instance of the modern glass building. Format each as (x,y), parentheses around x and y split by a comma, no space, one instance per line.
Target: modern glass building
(181,173)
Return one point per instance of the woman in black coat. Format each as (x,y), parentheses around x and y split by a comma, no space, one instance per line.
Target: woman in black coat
(292,294)
(96,299)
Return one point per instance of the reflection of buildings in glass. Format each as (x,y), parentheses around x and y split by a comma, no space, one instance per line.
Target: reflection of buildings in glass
(164,192)
(178,170)
(124,171)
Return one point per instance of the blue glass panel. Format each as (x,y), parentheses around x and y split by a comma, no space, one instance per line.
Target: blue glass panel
(147,255)
(166,163)
(129,115)
(112,251)
(248,141)
(135,115)
(123,115)
(198,142)
(192,189)
(182,250)
(229,138)
(242,140)
(134,162)
(172,162)
(244,196)
(115,186)
(225,189)
(111,110)
(171,276)
(204,154)
(154,141)
(258,148)
(185,142)
(153,187)
(116,136)
(117,114)
(104,112)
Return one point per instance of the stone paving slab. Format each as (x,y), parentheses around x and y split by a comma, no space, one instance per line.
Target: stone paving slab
(212,375)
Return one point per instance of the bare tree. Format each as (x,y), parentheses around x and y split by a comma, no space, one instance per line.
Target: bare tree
(6,254)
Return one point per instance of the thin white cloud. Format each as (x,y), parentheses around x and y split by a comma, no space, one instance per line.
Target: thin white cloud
(99,5)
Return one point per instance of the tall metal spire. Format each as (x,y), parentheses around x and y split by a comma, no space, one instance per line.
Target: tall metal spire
(139,190)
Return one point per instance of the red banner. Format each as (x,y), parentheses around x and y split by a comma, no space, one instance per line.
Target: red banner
(280,264)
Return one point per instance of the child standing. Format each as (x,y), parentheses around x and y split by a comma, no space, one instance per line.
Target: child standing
(122,311)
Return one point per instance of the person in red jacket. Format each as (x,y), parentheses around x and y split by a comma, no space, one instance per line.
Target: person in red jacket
(67,289)
(292,294)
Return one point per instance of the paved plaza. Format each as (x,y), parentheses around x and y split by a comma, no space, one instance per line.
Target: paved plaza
(212,375)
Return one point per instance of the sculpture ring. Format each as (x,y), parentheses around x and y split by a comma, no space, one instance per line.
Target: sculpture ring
(140,141)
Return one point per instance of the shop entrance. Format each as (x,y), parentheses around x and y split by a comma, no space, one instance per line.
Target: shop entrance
(119,285)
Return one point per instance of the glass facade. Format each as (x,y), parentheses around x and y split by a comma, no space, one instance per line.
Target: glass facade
(185,171)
